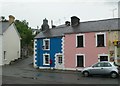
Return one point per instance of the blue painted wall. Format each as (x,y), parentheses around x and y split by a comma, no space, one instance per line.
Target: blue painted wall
(55,47)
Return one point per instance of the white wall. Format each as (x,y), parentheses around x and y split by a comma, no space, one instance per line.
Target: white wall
(11,44)
(0,49)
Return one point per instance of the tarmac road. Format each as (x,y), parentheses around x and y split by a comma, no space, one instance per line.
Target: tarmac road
(22,72)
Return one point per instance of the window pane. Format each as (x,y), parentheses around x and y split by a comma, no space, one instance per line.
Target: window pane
(79,41)
(103,58)
(107,65)
(46,59)
(99,65)
(100,40)
(80,61)
(46,44)
(59,58)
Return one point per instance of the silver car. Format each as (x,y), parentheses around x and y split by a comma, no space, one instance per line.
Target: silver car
(102,68)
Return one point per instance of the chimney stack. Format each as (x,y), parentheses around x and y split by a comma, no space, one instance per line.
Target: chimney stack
(75,21)
(67,23)
(11,19)
(45,25)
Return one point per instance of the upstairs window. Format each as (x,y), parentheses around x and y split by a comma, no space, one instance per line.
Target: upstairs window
(100,40)
(46,44)
(80,40)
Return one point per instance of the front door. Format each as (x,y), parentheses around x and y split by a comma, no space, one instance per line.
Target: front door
(59,61)
(80,61)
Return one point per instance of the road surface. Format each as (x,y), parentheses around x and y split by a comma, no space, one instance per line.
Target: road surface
(22,72)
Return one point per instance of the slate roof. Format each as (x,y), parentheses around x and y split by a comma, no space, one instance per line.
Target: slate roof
(3,26)
(89,26)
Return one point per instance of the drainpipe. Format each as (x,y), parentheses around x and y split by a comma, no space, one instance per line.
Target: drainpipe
(115,42)
(116,54)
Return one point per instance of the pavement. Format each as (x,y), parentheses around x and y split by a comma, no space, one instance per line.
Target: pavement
(58,71)
(27,64)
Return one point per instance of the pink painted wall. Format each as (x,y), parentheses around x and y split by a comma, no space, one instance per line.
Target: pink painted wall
(90,50)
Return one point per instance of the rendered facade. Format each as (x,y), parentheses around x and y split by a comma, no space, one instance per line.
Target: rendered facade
(76,44)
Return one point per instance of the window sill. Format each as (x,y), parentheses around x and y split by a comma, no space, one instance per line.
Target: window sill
(79,67)
(100,46)
(80,47)
(46,64)
(60,63)
(46,49)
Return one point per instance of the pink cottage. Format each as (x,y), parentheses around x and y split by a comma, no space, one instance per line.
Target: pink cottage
(87,42)
(82,49)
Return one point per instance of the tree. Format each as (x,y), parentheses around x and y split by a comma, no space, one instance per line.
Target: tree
(25,33)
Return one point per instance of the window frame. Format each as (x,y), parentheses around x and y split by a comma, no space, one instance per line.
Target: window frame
(96,65)
(83,40)
(44,62)
(60,61)
(103,55)
(101,33)
(44,44)
(108,64)
(83,59)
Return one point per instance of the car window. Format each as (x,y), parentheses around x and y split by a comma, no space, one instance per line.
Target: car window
(107,65)
(99,65)
(96,65)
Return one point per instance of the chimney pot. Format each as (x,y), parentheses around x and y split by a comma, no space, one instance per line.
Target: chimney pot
(67,23)
(11,19)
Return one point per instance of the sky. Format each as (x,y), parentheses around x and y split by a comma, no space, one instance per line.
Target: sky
(34,11)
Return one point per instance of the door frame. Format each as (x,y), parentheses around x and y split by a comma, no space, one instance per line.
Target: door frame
(57,60)
(103,55)
(83,59)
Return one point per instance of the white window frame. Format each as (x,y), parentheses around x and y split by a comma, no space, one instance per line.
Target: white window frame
(103,55)
(83,40)
(83,59)
(101,33)
(61,57)
(44,59)
(57,58)
(44,44)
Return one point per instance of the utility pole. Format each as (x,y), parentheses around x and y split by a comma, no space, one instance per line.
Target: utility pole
(113,10)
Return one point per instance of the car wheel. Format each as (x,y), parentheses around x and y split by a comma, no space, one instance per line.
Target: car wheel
(113,74)
(86,73)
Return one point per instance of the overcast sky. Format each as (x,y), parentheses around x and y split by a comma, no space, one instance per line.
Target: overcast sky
(34,11)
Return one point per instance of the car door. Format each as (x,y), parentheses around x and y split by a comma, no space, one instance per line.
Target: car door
(106,68)
(96,69)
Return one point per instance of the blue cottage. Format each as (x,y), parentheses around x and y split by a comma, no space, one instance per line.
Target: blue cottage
(48,48)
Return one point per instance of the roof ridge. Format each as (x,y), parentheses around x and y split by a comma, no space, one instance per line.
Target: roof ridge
(100,20)
(88,26)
